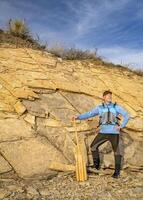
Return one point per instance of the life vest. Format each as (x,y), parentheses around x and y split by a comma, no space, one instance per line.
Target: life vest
(108,115)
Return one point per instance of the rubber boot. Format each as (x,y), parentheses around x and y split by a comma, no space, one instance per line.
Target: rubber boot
(116,172)
(117,166)
(96,160)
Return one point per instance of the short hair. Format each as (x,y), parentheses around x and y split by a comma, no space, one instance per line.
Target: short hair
(106,92)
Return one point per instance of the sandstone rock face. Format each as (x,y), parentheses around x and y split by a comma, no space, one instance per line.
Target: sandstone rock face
(39,94)
(31,157)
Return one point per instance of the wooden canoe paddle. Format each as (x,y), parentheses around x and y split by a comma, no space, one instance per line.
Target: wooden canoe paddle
(81,172)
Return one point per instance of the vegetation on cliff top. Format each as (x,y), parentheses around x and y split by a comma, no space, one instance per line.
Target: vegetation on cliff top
(18,34)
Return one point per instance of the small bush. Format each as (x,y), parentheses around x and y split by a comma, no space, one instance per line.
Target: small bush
(1,31)
(73,53)
(139,72)
(77,54)
(18,28)
(19,34)
(57,50)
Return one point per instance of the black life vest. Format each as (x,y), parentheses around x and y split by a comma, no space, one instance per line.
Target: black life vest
(108,116)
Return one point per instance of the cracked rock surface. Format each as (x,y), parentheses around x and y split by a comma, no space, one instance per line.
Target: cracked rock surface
(38,97)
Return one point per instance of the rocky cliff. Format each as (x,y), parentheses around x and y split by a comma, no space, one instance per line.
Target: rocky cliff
(39,94)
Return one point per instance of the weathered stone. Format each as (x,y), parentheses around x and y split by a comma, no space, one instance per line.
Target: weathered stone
(29,118)
(51,123)
(4,165)
(25,93)
(81,102)
(136,159)
(136,124)
(65,89)
(31,157)
(34,108)
(19,107)
(4,193)
(44,191)
(15,188)
(60,138)
(13,129)
(32,191)
(58,106)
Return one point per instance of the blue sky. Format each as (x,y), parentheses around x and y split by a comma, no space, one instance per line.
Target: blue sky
(114,27)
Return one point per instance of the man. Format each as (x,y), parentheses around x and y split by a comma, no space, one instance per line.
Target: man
(109,129)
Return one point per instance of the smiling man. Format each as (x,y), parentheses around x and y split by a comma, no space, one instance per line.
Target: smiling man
(109,129)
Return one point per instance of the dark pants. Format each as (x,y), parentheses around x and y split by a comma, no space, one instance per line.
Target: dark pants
(117,146)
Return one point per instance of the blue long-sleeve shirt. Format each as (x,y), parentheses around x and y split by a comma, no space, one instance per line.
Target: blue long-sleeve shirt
(107,128)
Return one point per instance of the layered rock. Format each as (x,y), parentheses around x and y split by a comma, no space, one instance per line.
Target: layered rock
(39,94)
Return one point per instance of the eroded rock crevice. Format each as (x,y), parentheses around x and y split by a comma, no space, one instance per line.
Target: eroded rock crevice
(39,95)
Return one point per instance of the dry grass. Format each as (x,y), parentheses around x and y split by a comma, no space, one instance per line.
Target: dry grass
(18,42)
(138,72)
(73,53)
(18,34)
(18,28)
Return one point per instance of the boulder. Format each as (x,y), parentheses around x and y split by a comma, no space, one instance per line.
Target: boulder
(31,157)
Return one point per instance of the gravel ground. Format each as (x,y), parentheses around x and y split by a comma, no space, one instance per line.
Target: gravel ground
(64,186)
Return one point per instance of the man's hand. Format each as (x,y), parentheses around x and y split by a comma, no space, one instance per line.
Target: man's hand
(74,118)
(118,128)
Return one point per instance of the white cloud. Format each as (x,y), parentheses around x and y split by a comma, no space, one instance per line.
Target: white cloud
(125,56)
(92,14)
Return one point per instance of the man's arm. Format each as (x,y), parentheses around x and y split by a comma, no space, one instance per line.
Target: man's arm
(125,115)
(91,113)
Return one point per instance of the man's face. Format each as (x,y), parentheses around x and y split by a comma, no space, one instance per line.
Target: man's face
(107,98)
